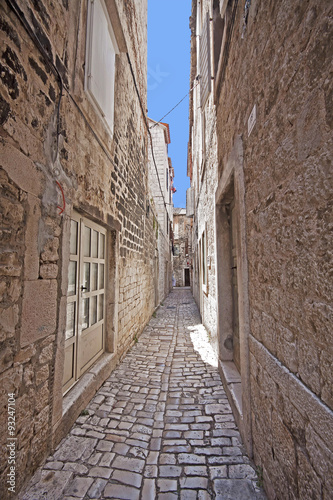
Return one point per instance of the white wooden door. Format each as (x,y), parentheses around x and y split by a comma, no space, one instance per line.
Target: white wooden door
(85,326)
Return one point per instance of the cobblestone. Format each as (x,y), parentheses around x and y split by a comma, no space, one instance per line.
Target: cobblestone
(159,428)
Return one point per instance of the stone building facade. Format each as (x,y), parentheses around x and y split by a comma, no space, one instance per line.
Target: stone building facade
(202,168)
(182,255)
(78,242)
(161,175)
(269,68)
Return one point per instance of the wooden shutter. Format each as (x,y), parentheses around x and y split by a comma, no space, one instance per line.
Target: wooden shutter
(205,73)
(102,62)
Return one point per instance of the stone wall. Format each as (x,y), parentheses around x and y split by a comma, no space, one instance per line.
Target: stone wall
(203,179)
(54,147)
(282,65)
(160,172)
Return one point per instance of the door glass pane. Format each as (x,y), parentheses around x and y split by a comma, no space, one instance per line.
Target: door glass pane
(100,307)
(86,241)
(71,278)
(101,246)
(73,240)
(85,314)
(93,310)
(86,276)
(70,322)
(94,244)
(94,276)
(101,276)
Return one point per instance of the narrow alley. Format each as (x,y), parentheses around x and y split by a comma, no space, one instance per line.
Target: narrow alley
(159,428)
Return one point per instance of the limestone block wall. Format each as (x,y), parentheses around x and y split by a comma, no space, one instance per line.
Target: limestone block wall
(54,147)
(160,190)
(282,65)
(203,148)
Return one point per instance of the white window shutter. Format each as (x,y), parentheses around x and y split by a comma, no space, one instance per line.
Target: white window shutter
(205,72)
(101,67)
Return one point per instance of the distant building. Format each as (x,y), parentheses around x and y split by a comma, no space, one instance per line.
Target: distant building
(182,256)
(161,175)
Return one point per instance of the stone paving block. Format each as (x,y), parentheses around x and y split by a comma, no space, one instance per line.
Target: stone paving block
(230,489)
(115,438)
(191,458)
(137,443)
(97,488)
(188,494)
(204,495)
(79,487)
(242,471)
(167,458)
(194,482)
(149,489)
(167,496)
(51,486)
(167,484)
(176,449)
(100,472)
(218,472)
(225,433)
(169,471)
(152,458)
(121,492)
(54,465)
(121,448)
(172,434)
(196,470)
(129,478)
(94,459)
(104,446)
(129,464)
(221,441)
(151,471)
(106,459)
(207,450)
(231,451)
(193,435)
(74,447)
(76,467)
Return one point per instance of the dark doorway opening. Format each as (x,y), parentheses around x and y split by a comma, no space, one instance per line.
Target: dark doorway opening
(187,277)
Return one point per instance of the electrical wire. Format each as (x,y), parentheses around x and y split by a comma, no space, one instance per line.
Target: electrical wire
(147,126)
(159,121)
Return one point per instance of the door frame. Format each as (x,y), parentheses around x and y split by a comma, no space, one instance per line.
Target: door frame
(77,340)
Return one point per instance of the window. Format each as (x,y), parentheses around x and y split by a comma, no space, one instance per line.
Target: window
(203,248)
(224,12)
(101,53)
(176,230)
(204,53)
(203,253)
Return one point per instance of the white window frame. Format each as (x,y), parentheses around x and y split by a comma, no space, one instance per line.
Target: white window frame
(102,103)
(204,260)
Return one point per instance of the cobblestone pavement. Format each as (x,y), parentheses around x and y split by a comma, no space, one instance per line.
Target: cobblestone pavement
(159,428)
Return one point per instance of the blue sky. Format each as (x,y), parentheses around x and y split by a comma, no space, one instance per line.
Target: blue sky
(168,79)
